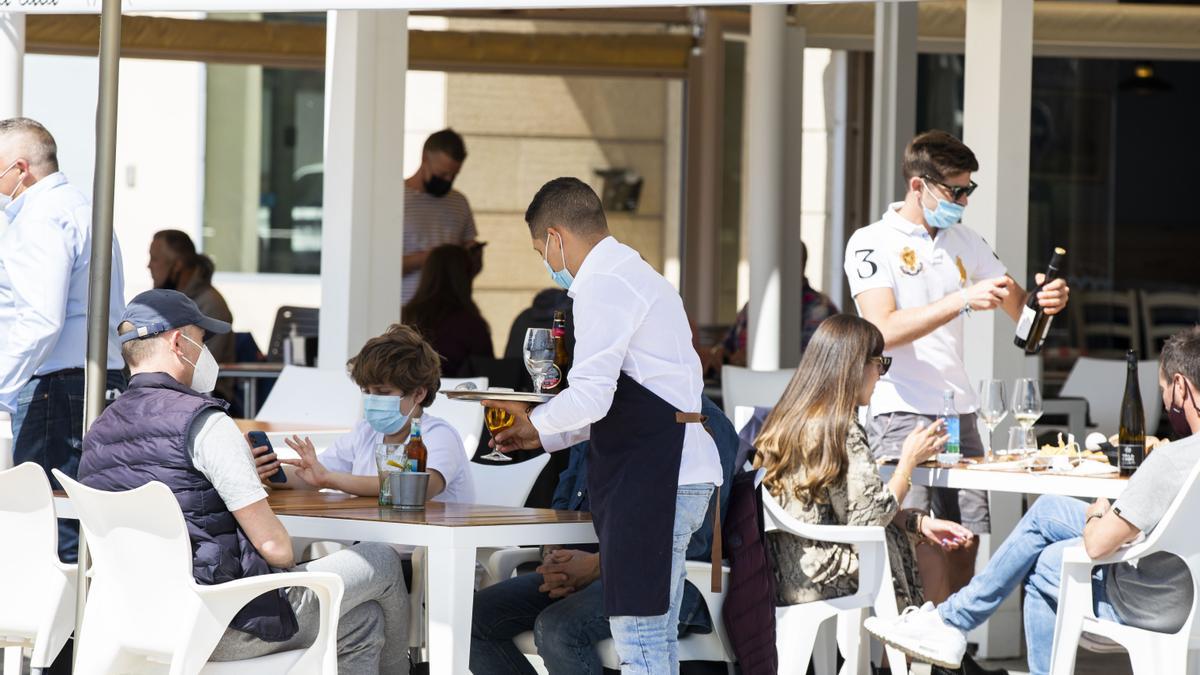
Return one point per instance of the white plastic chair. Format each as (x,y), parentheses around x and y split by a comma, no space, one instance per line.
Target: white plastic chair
(38,590)
(506,484)
(1101,382)
(798,627)
(145,613)
(327,398)
(714,646)
(1150,653)
(742,386)
(465,416)
(6,442)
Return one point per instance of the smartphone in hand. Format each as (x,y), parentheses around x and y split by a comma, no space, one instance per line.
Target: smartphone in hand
(259,439)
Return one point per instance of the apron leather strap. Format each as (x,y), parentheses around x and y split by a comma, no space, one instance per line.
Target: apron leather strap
(690,418)
(717,554)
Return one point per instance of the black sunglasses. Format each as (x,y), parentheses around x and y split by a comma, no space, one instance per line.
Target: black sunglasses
(885,363)
(957,192)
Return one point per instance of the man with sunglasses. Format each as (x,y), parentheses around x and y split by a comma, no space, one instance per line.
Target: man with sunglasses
(918,274)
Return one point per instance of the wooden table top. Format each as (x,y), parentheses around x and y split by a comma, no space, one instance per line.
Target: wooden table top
(309,504)
(286,427)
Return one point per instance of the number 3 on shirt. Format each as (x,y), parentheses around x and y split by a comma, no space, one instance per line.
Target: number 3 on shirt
(867,267)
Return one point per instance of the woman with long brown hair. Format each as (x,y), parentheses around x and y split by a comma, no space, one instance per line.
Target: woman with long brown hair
(819,468)
(443,311)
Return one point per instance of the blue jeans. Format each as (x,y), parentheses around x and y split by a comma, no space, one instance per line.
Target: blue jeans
(48,431)
(1031,554)
(650,644)
(565,630)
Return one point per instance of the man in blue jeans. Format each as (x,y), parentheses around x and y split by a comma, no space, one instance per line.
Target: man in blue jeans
(45,257)
(1155,595)
(563,602)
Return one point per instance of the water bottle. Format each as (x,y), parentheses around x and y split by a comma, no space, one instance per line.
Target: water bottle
(952,451)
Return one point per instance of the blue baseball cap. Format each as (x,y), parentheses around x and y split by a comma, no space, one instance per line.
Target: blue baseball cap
(161,310)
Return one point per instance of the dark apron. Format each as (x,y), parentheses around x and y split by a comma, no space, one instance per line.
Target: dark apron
(633,472)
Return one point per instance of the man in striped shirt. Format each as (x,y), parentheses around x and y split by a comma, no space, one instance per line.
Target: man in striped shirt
(434,214)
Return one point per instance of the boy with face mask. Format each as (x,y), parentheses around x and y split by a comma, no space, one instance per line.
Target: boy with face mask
(399,374)
(166,427)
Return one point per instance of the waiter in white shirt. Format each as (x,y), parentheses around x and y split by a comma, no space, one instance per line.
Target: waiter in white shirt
(635,390)
(45,251)
(917,274)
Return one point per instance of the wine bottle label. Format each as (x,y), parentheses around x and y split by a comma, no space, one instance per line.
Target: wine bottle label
(1131,455)
(1025,324)
(552,378)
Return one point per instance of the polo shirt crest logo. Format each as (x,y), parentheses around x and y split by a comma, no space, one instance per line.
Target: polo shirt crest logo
(962,271)
(909,264)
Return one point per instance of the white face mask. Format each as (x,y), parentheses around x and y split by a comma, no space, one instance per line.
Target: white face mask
(204,370)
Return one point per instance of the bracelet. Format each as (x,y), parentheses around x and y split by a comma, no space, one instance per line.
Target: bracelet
(1093,516)
(966,308)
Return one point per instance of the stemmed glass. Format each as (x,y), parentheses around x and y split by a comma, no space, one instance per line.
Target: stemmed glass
(1027,403)
(539,355)
(993,408)
(497,420)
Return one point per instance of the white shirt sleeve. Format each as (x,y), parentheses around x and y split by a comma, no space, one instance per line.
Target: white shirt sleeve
(220,452)
(866,265)
(444,454)
(607,314)
(37,257)
(987,263)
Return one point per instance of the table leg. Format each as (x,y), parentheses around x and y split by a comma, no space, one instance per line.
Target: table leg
(249,397)
(451,573)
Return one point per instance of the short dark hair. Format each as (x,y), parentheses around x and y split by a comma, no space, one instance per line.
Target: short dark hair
(1181,354)
(447,141)
(178,242)
(569,203)
(400,358)
(937,155)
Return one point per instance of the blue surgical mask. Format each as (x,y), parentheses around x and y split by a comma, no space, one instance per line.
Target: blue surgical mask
(945,215)
(383,413)
(562,277)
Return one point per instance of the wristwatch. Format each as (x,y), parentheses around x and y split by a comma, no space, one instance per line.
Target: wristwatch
(966,308)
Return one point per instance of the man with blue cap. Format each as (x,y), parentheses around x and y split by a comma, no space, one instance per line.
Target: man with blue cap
(168,428)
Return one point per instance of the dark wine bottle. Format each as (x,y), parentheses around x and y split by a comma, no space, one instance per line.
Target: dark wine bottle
(1131,438)
(1034,324)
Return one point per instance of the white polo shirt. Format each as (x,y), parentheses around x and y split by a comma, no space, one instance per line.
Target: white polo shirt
(897,254)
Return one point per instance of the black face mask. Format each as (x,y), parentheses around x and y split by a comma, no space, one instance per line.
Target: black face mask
(1178,418)
(438,186)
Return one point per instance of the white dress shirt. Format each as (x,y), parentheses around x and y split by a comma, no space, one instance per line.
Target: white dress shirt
(900,255)
(628,319)
(45,253)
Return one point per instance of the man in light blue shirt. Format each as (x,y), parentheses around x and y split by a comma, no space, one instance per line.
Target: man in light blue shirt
(45,253)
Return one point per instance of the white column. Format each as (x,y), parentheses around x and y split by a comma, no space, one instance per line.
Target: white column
(792,271)
(766,82)
(12,63)
(894,99)
(998,82)
(362,237)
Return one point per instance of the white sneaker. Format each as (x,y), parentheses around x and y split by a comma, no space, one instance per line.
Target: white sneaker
(920,633)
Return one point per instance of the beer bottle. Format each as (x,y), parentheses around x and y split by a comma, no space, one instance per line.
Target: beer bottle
(556,377)
(415,450)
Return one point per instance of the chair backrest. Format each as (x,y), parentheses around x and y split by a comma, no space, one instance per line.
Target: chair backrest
(1164,314)
(506,484)
(142,562)
(1108,322)
(742,414)
(6,442)
(28,529)
(307,321)
(742,386)
(323,397)
(1101,381)
(465,416)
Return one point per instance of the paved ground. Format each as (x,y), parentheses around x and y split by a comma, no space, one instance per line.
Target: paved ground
(1088,663)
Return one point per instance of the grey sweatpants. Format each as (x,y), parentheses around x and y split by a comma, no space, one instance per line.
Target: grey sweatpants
(373,628)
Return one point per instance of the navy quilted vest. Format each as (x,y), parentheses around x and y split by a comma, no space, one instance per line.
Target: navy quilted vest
(143,437)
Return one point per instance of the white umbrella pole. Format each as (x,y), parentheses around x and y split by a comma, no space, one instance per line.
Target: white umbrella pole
(100,273)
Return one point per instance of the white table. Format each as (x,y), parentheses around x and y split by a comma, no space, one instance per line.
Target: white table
(450,532)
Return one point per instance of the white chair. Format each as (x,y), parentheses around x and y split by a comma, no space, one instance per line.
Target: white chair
(1150,653)
(465,416)
(38,590)
(1107,322)
(506,484)
(145,613)
(6,442)
(712,646)
(326,398)
(1101,382)
(1164,314)
(742,386)
(798,627)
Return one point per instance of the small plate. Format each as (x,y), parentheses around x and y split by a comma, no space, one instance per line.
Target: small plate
(495,395)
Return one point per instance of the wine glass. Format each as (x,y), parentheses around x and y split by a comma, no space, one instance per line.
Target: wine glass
(497,420)
(1027,402)
(539,355)
(1021,441)
(993,408)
